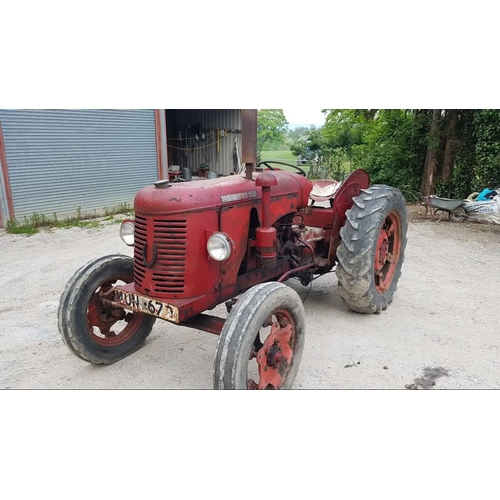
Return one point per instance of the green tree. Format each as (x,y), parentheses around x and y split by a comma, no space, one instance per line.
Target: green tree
(271,128)
(310,147)
(393,148)
(297,133)
(429,176)
(478,159)
(345,128)
(449,152)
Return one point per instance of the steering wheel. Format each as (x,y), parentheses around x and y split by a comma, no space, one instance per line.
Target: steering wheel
(266,163)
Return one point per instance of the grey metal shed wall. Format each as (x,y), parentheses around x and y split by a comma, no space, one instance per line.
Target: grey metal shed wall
(60,160)
(210,119)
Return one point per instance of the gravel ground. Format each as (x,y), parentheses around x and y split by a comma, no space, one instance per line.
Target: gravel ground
(440,332)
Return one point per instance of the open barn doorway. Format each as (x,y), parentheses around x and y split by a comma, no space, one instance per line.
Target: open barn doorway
(203,143)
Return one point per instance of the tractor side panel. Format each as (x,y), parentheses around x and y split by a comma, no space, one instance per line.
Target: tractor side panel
(282,205)
(319,217)
(235,222)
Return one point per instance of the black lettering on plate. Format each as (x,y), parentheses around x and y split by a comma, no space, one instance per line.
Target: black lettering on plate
(135,300)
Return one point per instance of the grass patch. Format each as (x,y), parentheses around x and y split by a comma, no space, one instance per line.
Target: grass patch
(14,227)
(289,157)
(285,156)
(77,223)
(122,208)
(32,224)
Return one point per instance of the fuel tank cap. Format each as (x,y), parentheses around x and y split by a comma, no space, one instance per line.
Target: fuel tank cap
(162,184)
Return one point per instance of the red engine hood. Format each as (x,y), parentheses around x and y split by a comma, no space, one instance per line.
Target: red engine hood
(232,190)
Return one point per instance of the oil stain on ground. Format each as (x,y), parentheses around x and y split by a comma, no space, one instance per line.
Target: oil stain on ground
(428,380)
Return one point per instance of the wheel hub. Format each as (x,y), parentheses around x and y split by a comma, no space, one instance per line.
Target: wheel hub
(387,252)
(274,358)
(102,317)
(382,247)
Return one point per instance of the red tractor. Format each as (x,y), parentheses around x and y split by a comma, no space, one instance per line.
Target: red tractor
(235,240)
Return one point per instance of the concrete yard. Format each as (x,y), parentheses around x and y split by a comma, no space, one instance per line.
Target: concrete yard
(441,331)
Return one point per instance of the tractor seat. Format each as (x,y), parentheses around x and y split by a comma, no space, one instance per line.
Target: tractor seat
(324,190)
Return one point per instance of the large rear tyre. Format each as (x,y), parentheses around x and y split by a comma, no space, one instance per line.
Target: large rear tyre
(262,341)
(371,252)
(91,328)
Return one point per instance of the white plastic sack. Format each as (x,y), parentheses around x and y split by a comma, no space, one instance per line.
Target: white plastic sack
(484,212)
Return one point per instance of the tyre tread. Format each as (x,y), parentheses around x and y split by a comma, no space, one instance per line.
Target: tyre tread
(240,321)
(358,240)
(69,307)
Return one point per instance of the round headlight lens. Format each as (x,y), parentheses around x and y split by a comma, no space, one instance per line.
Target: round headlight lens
(219,247)
(127,233)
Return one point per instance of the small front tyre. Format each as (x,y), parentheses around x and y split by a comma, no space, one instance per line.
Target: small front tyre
(91,328)
(262,341)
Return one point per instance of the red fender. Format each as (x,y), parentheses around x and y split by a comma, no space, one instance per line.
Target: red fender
(349,189)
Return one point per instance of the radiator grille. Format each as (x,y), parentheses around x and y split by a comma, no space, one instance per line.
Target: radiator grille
(168,271)
(140,231)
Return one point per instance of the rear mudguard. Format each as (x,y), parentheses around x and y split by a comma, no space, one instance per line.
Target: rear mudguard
(349,189)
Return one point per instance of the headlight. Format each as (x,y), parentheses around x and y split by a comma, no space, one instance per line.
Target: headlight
(127,232)
(219,247)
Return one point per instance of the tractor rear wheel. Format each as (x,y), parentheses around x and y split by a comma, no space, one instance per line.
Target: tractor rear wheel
(90,327)
(371,252)
(262,341)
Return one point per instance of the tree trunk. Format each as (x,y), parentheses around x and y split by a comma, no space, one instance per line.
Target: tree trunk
(451,144)
(430,168)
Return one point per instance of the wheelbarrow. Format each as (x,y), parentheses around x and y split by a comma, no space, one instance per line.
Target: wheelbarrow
(437,206)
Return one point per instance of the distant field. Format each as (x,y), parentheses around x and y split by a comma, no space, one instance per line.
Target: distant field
(286,156)
(289,157)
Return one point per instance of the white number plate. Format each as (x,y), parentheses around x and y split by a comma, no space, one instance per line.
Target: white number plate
(147,305)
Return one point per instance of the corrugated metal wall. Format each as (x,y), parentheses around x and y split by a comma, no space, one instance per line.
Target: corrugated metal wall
(192,153)
(59,160)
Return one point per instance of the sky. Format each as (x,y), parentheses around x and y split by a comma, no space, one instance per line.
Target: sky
(304,116)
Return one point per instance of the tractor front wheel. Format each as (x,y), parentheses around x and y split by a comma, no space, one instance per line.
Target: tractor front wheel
(262,341)
(93,329)
(371,252)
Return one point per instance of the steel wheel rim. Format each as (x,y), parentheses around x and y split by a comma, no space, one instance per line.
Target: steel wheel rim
(104,317)
(387,252)
(274,359)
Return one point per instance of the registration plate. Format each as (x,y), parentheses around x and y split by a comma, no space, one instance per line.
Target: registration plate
(147,305)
